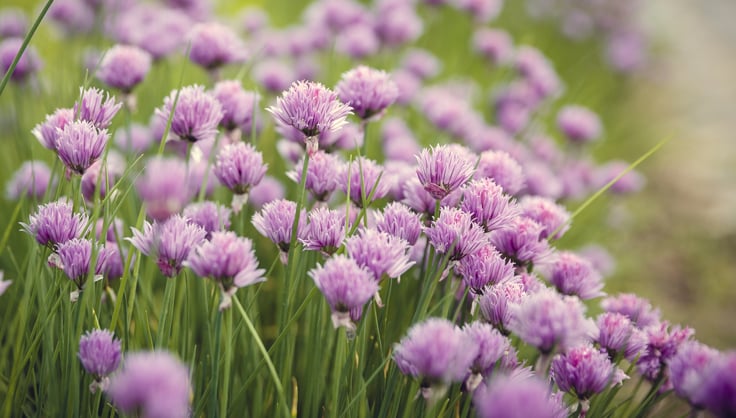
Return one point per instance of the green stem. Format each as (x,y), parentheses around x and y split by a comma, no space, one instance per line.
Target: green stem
(163,324)
(337,367)
(216,365)
(266,358)
(229,341)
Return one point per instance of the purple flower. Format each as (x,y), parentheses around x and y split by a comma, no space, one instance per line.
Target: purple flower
(96,109)
(239,167)
(638,310)
(56,223)
(538,71)
(229,260)
(31,181)
(28,64)
(484,267)
(502,169)
(238,105)
(364,177)
(210,216)
(494,45)
(497,300)
(99,352)
(75,258)
(549,321)
(358,41)
(124,67)
(517,397)
(492,347)
(631,182)
(196,116)
(618,335)
(268,190)
(275,222)
(346,286)
(214,45)
(310,108)
(137,141)
(399,23)
(442,171)
(323,174)
(325,231)
(72,16)
(48,131)
(419,199)
(164,187)
(114,261)
(585,371)
(482,11)
(13,23)
(574,275)
(719,386)
(80,144)
(421,63)
(157,29)
(521,242)
(579,124)
(455,233)
(437,351)
(153,385)
(111,170)
(398,220)
(490,206)
(368,91)
(551,216)
(398,141)
(170,242)
(273,75)
(599,257)
(662,345)
(688,368)
(380,253)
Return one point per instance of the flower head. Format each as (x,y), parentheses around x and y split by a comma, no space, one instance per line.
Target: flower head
(364,177)
(687,370)
(31,180)
(49,130)
(551,216)
(584,371)
(164,187)
(490,206)
(492,347)
(494,45)
(663,343)
(28,64)
(56,223)
(196,115)
(99,352)
(124,66)
(80,144)
(484,267)
(441,170)
(521,242)
(110,171)
(617,334)
(239,167)
(380,253)
(275,222)
(398,220)
(209,215)
(152,384)
(238,105)
(500,167)
(368,91)
(75,258)
(455,233)
(170,242)
(579,124)
(322,175)
(325,231)
(346,286)
(496,303)
(519,396)
(575,275)
(95,108)
(214,45)
(638,310)
(719,385)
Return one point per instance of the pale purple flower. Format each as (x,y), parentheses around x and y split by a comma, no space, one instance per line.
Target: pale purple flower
(538,71)
(663,343)
(490,206)
(482,11)
(325,231)
(619,336)
(47,132)
(442,171)
(114,229)
(154,28)
(379,252)
(418,198)
(399,23)
(99,352)
(368,91)
(124,66)
(521,242)
(637,309)
(110,171)
(56,223)
(238,105)
(214,45)
(80,144)
(152,385)
(164,187)
(455,234)
(492,348)
(626,50)
(196,115)
(311,108)
(254,19)
(364,177)
(170,242)
(30,180)
(75,258)
(358,41)
(571,274)
(436,351)
(500,167)
(631,182)
(137,141)
(28,64)
(227,259)
(552,217)
(421,63)
(398,220)
(494,45)
(409,86)
(687,370)
(323,174)
(484,267)
(239,167)
(549,321)
(599,257)
(268,190)
(72,16)
(95,108)
(518,397)
(496,302)
(274,75)
(399,143)
(13,23)
(579,124)
(114,262)
(719,386)
(210,216)
(346,286)
(584,372)
(275,222)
